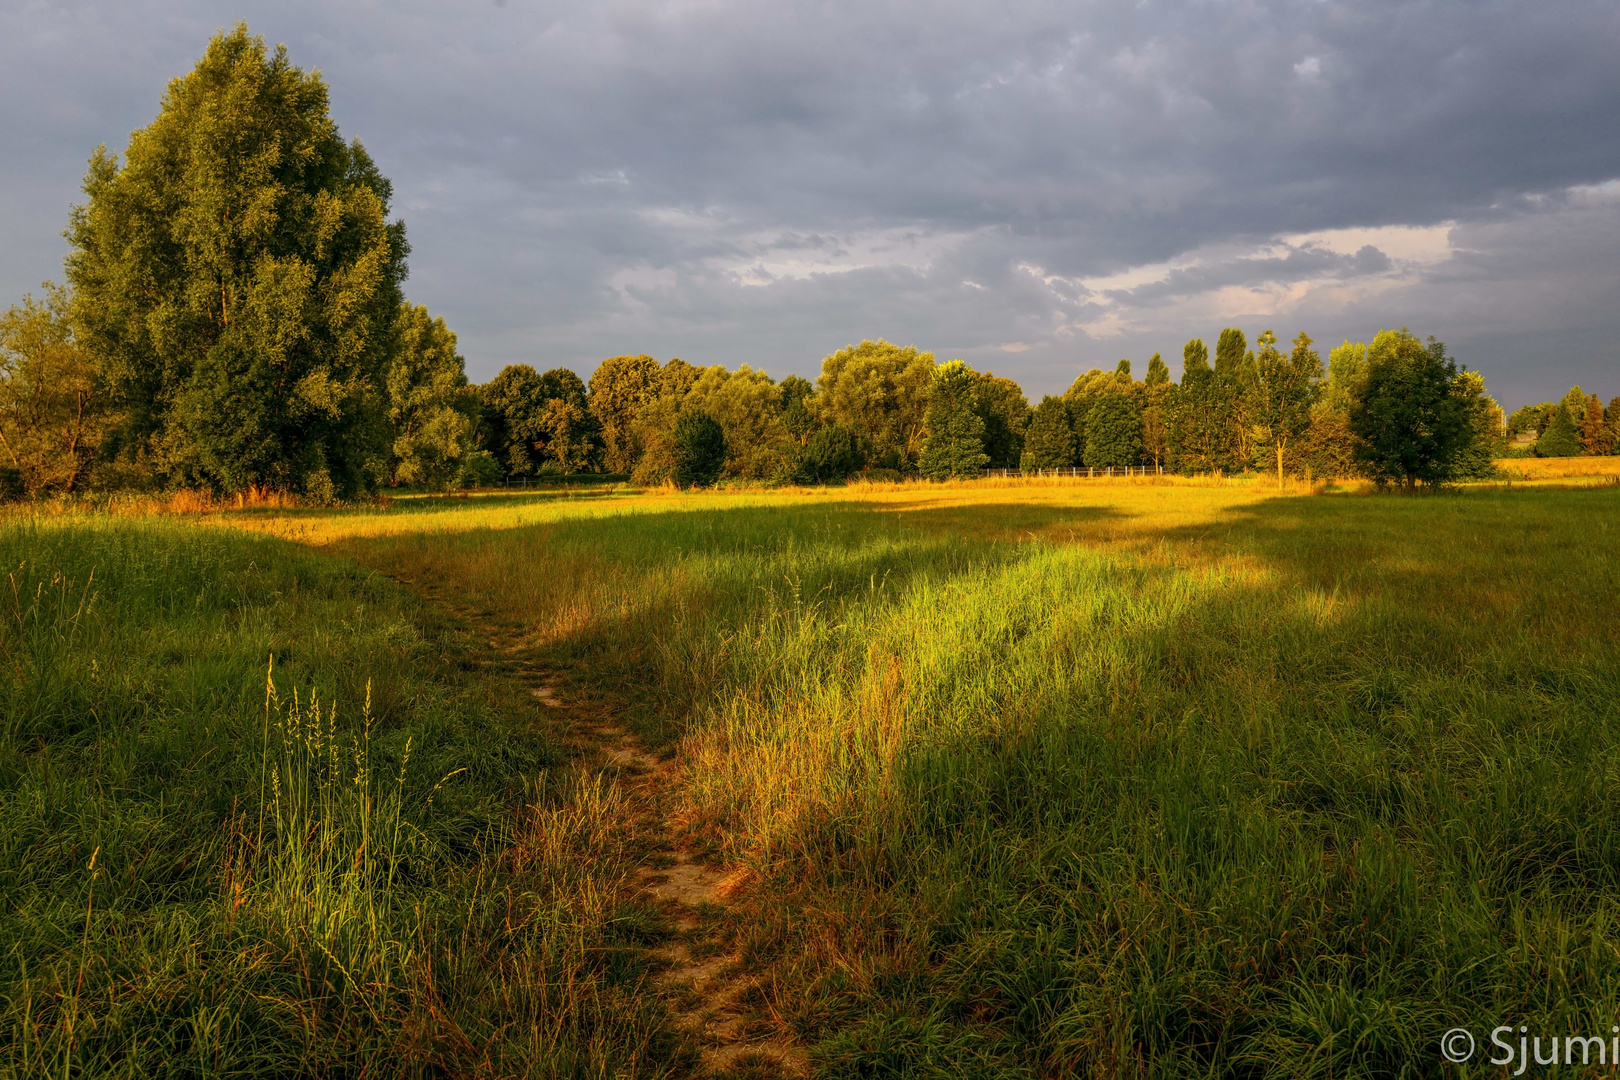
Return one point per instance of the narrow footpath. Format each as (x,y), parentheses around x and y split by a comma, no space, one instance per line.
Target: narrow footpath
(699,974)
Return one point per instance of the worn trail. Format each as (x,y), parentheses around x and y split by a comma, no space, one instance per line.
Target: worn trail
(698,970)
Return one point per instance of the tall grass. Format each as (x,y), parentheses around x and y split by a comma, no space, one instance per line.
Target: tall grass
(1052,788)
(356,867)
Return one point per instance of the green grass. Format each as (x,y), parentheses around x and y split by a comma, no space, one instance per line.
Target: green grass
(1288,791)
(1121,780)
(377,868)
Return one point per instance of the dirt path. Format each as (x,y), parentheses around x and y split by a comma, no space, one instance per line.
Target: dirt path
(698,971)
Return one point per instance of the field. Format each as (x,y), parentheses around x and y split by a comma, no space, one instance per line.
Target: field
(1007,779)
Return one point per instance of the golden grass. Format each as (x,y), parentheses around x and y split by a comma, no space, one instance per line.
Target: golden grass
(1105,509)
(1570,468)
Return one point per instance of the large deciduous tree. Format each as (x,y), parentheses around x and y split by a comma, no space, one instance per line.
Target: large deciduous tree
(238,279)
(880,393)
(541,422)
(954,441)
(1005,411)
(620,390)
(432,411)
(1409,422)
(52,414)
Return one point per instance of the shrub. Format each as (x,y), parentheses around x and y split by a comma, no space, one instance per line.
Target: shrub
(700,449)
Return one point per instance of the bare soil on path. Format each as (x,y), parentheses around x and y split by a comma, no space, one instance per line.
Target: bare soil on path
(697,969)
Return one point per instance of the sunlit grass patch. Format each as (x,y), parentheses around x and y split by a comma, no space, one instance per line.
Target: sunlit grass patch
(1120,778)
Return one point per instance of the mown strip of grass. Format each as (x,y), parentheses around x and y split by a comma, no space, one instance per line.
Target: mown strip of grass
(199,880)
(1289,791)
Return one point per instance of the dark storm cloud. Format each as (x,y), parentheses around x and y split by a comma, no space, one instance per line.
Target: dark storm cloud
(736,182)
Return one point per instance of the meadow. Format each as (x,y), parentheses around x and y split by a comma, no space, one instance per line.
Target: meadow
(1013,779)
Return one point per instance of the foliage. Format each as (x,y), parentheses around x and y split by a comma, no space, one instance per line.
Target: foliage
(432,412)
(1597,437)
(747,405)
(53,416)
(237,280)
(954,443)
(1477,459)
(621,387)
(1050,443)
(541,422)
(1203,413)
(1158,373)
(831,454)
(699,444)
(1410,423)
(880,393)
(1113,431)
(1005,412)
(1285,389)
(1560,439)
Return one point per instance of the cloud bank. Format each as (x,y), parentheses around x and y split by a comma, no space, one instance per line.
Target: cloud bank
(1037,187)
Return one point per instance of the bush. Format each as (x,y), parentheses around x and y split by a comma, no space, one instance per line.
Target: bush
(830,455)
(700,449)
(478,469)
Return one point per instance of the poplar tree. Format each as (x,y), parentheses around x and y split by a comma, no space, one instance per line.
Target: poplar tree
(1050,443)
(1285,388)
(953,440)
(238,280)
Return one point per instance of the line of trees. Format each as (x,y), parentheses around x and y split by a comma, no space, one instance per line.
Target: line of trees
(233,318)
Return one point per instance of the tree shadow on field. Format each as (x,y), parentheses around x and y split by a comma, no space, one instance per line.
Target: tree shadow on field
(426,503)
(1007,521)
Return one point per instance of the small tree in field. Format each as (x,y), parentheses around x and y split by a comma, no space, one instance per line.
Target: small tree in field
(1560,438)
(699,449)
(1285,388)
(1409,425)
(953,444)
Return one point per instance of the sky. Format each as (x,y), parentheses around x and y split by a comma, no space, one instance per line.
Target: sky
(1036,187)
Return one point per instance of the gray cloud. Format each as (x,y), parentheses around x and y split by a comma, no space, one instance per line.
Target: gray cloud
(1034,186)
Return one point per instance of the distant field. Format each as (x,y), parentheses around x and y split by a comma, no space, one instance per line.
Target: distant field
(1033,779)
(1560,468)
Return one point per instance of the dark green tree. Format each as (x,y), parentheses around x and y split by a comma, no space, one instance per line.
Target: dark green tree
(1201,414)
(1050,442)
(1561,439)
(953,440)
(831,454)
(238,278)
(1005,412)
(1409,424)
(1113,432)
(699,447)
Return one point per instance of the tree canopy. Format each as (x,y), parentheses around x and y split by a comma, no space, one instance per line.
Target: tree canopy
(238,278)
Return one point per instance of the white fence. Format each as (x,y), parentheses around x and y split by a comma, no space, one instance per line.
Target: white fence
(1083,472)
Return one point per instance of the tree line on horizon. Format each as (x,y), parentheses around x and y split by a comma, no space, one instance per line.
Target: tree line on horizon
(233,317)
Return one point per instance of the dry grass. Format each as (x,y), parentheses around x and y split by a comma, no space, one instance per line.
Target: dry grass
(1573,468)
